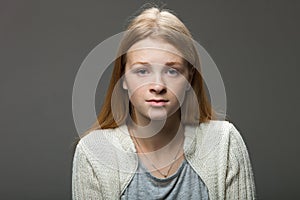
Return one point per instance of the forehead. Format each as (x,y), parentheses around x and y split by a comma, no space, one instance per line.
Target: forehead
(153,50)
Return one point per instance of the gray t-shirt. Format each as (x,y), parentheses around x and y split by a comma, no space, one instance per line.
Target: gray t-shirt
(184,184)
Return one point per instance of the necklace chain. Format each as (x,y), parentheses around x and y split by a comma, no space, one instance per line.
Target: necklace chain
(152,163)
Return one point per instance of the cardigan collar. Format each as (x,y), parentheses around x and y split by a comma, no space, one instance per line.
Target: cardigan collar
(189,141)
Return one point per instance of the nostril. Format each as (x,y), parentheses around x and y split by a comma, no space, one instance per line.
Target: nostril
(158,89)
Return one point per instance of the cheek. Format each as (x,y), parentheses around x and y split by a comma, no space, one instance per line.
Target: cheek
(134,91)
(133,84)
(135,94)
(178,92)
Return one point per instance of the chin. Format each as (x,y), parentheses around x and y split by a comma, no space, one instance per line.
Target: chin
(160,114)
(157,118)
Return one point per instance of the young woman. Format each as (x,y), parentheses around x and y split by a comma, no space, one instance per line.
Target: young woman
(156,136)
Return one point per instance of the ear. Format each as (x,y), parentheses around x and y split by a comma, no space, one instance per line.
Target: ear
(124,84)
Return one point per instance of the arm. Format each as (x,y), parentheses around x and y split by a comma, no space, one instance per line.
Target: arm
(239,179)
(85,184)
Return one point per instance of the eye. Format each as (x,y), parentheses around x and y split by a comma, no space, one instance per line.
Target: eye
(141,72)
(172,72)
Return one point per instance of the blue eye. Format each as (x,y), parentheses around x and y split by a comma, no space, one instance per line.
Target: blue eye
(141,71)
(172,72)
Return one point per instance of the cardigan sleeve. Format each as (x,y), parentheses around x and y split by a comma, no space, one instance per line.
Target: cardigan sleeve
(85,184)
(239,178)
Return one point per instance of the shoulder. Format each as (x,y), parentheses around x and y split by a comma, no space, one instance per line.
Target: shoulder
(213,132)
(215,126)
(95,165)
(219,130)
(101,138)
(225,137)
(104,145)
(226,154)
(91,146)
(218,136)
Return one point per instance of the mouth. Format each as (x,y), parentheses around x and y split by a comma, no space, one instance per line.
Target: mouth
(157,102)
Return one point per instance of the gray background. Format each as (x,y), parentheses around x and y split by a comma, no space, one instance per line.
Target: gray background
(255,45)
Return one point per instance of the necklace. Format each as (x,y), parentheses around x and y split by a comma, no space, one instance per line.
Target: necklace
(152,163)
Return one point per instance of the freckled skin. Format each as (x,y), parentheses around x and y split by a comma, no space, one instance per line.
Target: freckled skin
(156,79)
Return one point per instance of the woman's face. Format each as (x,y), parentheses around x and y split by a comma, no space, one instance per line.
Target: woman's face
(156,78)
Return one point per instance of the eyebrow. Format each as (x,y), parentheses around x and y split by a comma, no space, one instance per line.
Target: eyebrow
(173,63)
(141,63)
(148,64)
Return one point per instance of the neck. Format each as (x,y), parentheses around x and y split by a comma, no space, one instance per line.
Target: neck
(158,134)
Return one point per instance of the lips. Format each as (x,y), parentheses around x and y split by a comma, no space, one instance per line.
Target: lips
(157,102)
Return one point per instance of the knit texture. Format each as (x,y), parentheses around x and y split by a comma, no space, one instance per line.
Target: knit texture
(105,162)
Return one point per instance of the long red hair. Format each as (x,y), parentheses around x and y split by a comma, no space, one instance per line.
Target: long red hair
(162,24)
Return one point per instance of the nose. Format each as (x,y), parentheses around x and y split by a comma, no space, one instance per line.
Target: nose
(158,89)
(158,86)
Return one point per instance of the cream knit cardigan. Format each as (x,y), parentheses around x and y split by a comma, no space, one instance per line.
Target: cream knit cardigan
(105,162)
